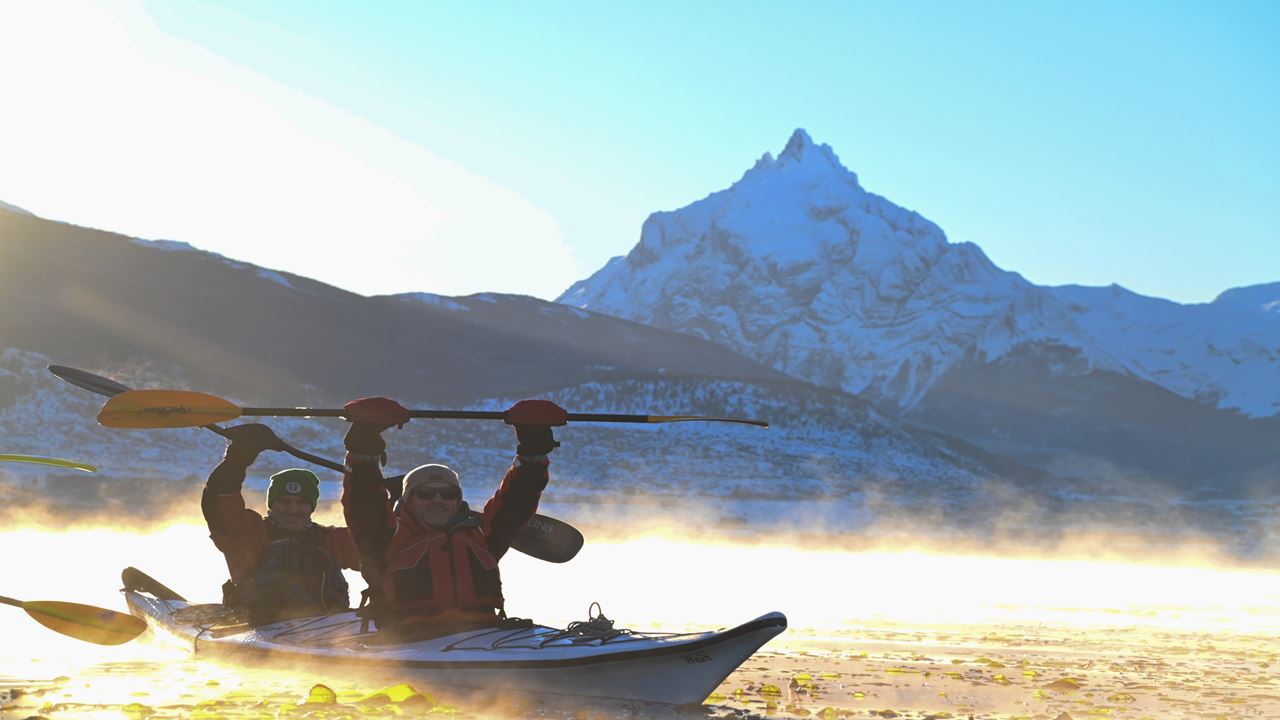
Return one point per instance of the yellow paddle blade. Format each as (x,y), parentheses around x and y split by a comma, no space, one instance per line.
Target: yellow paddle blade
(85,622)
(56,462)
(165,409)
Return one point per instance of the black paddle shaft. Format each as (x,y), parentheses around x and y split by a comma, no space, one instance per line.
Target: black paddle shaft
(491,415)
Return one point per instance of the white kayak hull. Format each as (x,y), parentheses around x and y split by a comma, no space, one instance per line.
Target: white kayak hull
(644,667)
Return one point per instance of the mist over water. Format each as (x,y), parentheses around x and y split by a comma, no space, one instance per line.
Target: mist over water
(655,576)
(849,600)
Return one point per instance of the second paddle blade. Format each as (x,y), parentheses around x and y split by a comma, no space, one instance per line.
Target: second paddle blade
(549,539)
(165,409)
(85,622)
(56,462)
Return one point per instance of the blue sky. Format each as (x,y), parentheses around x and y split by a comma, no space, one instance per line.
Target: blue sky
(1075,142)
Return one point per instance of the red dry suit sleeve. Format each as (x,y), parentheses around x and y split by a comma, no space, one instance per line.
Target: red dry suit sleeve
(339,543)
(516,500)
(237,531)
(366,506)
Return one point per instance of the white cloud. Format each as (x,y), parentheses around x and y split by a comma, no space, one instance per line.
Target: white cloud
(105,121)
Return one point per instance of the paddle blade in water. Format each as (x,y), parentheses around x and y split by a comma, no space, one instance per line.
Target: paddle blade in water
(56,462)
(165,409)
(85,622)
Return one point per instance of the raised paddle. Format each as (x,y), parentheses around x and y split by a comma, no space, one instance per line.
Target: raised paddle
(110,388)
(82,622)
(184,408)
(544,538)
(56,462)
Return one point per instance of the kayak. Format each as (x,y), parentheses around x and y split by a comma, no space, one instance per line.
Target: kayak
(587,659)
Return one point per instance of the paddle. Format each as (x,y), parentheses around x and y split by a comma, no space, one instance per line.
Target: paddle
(110,388)
(82,622)
(544,538)
(183,408)
(56,462)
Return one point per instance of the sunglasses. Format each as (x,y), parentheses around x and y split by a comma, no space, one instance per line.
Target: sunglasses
(444,493)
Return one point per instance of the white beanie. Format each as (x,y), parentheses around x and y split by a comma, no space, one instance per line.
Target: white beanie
(433,474)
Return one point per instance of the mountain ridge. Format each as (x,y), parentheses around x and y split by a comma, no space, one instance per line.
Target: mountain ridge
(164,314)
(798,266)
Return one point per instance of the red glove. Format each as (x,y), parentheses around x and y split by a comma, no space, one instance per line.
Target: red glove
(536,412)
(368,418)
(378,411)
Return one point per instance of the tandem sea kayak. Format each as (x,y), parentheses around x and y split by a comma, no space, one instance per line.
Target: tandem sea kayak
(585,661)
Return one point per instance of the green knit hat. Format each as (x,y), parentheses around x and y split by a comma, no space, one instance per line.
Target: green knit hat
(294,481)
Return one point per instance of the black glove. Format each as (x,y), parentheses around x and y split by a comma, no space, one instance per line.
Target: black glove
(246,441)
(365,439)
(535,440)
(533,420)
(368,418)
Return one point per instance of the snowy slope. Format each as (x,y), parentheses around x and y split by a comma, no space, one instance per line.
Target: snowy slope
(822,446)
(829,463)
(1265,297)
(1225,353)
(799,267)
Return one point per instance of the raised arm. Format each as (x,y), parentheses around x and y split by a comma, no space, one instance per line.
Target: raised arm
(236,530)
(222,497)
(366,501)
(517,497)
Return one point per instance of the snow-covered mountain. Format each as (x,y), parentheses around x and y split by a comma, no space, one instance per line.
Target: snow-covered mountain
(1225,353)
(164,314)
(799,267)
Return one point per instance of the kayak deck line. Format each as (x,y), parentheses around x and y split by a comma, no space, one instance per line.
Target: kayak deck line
(668,668)
(524,636)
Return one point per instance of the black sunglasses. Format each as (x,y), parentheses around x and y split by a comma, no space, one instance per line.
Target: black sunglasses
(444,493)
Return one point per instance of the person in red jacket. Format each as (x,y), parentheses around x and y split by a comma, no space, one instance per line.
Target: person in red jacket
(431,565)
(283,566)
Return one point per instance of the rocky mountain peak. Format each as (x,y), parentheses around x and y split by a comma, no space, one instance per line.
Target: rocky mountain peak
(796,145)
(792,264)
(802,159)
(798,267)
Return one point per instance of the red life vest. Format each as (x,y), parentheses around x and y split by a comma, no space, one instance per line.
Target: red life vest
(438,576)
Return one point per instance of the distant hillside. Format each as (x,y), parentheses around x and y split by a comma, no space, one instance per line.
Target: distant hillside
(161,314)
(90,297)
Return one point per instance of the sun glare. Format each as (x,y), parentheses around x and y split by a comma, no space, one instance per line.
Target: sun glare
(200,149)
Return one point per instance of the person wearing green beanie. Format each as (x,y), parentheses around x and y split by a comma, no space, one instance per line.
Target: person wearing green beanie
(284,565)
(294,482)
